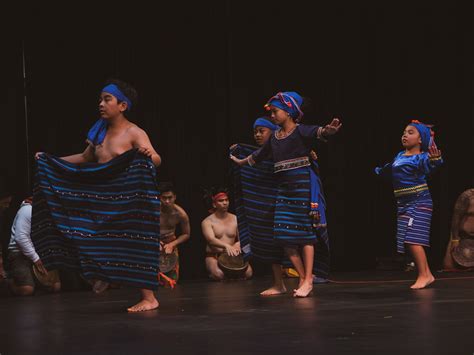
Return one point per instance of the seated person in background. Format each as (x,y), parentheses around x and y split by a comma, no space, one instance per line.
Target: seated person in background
(220,231)
(171,216)
(460,250)
(22,255)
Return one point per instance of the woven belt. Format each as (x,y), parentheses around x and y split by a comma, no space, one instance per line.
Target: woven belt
(291,164)
(410,190)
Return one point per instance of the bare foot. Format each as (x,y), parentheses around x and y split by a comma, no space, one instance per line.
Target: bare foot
(100,286)
(144,305)
(274,290)
(304,290)
(422,282)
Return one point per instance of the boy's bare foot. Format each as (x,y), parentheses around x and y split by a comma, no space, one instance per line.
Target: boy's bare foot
(422,282)
(304,290)
(144,305)
(274,290)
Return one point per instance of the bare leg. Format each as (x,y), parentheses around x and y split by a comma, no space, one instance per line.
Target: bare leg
(295,258)
(148,302)
(307,286)
(425,277)
(248,273)
(213,269)
(278,287)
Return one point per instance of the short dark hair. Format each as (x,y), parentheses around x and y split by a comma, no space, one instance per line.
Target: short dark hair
(166,187)
(127,89)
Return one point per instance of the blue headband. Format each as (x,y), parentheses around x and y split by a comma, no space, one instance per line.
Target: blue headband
(425,134)
(263,122)
(289,101)
(114,90)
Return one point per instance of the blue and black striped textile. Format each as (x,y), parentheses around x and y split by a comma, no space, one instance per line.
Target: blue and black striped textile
(100,219)
(273,211)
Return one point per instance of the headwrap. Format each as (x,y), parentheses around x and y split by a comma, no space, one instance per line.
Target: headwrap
(98,131)
(219,195)
(215,197)
(114,90)
(426,134)
(264,122)
(289,101)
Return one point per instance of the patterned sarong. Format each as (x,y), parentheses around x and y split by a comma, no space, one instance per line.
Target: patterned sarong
(100,219)
(414,219)
(271,213)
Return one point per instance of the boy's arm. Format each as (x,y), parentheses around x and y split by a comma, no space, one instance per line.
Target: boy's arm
(142,142)
(87,156)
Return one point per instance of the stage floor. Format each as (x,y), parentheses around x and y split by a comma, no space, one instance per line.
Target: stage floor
(203,317)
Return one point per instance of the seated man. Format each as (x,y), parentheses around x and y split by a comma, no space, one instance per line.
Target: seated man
(22,255)
(171,216)
(220,231)
(462,229)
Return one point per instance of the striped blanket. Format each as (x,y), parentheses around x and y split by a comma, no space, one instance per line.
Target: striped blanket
(256,195)
(100,219)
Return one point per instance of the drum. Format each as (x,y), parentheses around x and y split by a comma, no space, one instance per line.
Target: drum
(47,280)
(168,261)
(463,253)
(232,266)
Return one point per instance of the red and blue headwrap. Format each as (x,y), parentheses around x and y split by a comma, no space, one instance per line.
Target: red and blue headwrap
(264,122)
(288,101)
(426,134)
(96,134)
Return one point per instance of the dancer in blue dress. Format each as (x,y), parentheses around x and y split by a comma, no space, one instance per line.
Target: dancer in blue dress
(409,171)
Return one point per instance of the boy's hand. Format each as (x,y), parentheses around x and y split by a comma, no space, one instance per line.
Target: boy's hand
(145,151)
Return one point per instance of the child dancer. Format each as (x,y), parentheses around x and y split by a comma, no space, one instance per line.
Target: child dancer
(296,209)
(409,171)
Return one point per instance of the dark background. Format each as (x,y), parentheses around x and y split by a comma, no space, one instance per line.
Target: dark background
(203,71)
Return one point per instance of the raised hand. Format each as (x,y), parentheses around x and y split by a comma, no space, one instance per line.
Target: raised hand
(332,128)
(434,152)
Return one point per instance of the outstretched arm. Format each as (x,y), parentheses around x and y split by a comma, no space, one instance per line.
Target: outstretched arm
(87,156)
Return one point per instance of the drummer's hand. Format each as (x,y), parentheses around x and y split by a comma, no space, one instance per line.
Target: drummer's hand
(37,155)
(232,250)
(39,265)
(168,248)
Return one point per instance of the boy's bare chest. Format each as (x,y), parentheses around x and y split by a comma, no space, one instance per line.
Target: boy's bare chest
(112,146)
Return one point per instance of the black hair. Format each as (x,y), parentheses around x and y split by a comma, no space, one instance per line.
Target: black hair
(128,90)
(166,186)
